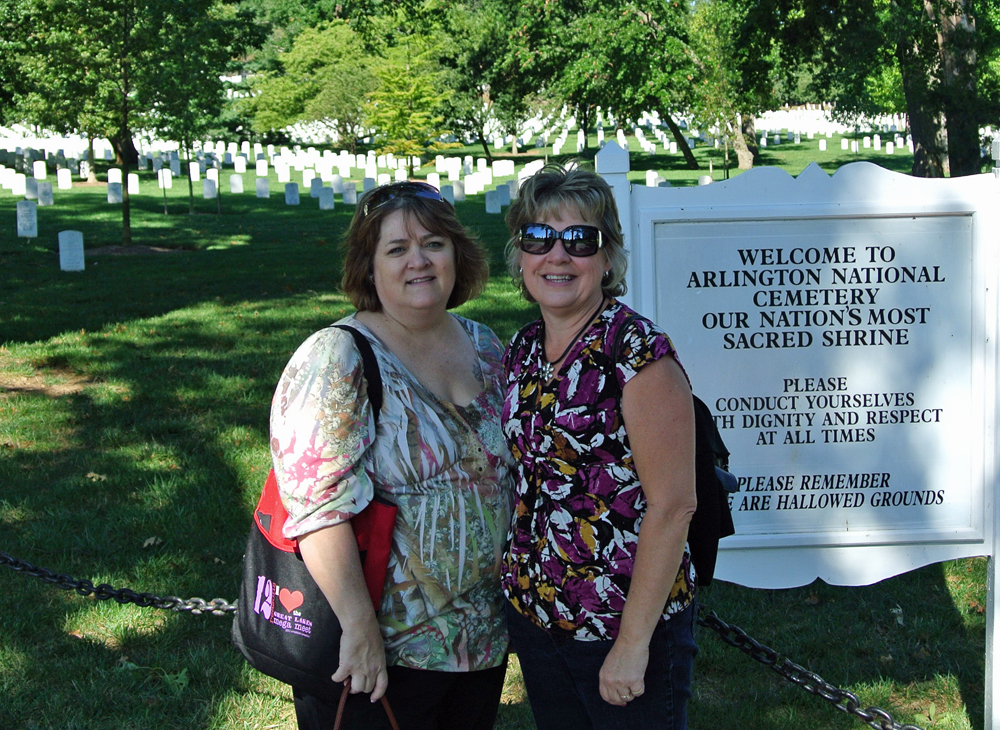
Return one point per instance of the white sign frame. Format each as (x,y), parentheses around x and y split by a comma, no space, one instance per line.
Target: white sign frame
(857,191)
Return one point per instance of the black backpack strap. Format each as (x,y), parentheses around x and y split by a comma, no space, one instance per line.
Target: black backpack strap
(369,365)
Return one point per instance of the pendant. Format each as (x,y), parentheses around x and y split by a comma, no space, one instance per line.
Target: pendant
(547,370)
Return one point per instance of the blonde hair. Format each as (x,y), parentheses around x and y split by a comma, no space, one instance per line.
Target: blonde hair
(555,189)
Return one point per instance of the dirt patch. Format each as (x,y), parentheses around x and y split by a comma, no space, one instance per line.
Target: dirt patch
(69,383)
(129,250)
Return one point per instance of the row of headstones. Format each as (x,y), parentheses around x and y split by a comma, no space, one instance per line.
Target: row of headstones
(21,185)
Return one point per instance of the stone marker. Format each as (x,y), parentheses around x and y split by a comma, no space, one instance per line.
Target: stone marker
(64,179)
(284,173)
(705,180)
(890,148)
(459,193)
(30,188)
(164,179)
(213,175)
(194,170)
(141,162)
(133,183)
(434,179)
(325,198)
(38,168)
(448,193)
(367,184)
(235,184)
(27,219)
(209,190)
(175,167)
(240,165)
(822,145)
(291,193)
(71,250)
(350,194)
(261,168)
(337,184)
(263,187)
(115,193)
(316,187)
(503,191)
(45,193)
(492,201)
(114,175)
(844,142)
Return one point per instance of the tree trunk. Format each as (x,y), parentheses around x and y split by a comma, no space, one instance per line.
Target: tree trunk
(486,147)
(124,158)
(749,130)
(929,150)
(586,114)
(187,153)
(682,144)
(92,172)
(744,157)
(956,44)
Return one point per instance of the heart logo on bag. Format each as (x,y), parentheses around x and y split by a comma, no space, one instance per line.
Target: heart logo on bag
(290,599)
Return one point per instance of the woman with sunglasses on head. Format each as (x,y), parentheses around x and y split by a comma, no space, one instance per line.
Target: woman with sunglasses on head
(599,417)
(437,645)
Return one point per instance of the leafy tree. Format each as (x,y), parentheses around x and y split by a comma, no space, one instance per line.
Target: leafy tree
(405,107)
(940,49)
(324,77)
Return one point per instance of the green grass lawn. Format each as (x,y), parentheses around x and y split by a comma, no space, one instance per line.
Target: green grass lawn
(133,443)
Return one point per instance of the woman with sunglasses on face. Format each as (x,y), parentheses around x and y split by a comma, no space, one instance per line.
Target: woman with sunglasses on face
(598,415)
(437,645)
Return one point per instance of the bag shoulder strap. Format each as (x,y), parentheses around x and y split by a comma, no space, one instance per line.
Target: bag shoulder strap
(369,364)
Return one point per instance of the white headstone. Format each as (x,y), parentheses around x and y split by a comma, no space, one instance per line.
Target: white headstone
(235,184)
(45,193)
(822,145)
(650,178)
(291,193)
(30,188)
(337,184)
(398,176)
(325,198)
(114,175)
(27,219)
(448,193)
(867,142)
(209,190)
(844,142)
(350,193)
(164,179)
(890,148)
(133,183)
(315,186)
(213,174)
(115,193)
(367,184)
(71,250)
(175,167)
(240,165)
(492,201)
(705,180)
(459,193)
(261,168)
(18,184)
(434,179)
(194,170)
(504,192)
(263,187)
(64,179)
(38,168)
(84,170)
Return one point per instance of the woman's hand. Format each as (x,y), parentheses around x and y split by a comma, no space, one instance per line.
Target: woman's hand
(331,556)
(622,675)
(362,659)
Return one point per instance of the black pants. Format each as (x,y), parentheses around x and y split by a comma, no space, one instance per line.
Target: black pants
(420,700)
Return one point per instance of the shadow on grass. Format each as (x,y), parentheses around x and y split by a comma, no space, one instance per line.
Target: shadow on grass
(894,644)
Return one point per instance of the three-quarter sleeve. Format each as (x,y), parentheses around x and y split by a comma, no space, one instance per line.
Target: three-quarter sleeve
(321,426)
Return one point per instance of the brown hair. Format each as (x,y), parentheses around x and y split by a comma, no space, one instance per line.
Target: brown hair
(437,216)
(555,188)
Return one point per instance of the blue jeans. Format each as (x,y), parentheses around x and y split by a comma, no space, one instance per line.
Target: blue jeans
(561,676)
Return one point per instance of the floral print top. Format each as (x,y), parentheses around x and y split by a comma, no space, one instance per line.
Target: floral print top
(579,503)
(447,468)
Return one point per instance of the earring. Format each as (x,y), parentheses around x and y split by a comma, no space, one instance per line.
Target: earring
(606,278)
(520,270)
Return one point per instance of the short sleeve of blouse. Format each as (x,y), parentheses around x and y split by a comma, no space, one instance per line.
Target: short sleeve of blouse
(640,343)
(321,426)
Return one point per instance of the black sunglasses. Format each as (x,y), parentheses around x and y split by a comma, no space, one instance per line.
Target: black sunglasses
(539,238)
(382,195)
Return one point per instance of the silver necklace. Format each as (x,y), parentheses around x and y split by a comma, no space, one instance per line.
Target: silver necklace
(548,368)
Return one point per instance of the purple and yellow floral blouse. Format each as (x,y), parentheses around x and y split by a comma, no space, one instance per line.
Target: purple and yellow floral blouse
(579,503)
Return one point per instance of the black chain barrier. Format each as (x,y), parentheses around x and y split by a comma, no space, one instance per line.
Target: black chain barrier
(104,592)
(811,682)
